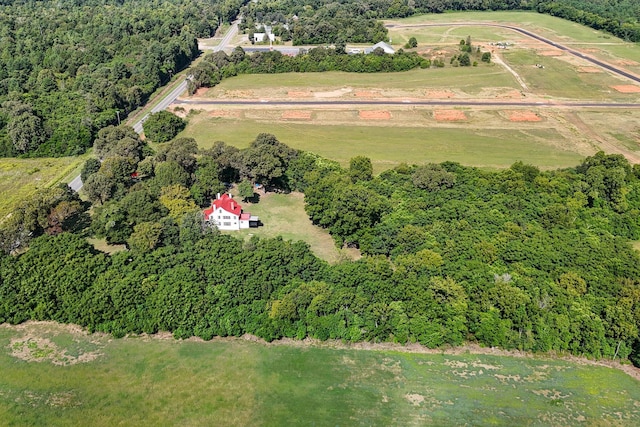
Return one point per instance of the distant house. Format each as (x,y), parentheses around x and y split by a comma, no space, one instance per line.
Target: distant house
(263,37)
(226,214)
(382,45)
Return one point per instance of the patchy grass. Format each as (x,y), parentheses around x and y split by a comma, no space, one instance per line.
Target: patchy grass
(284,215)
(388,146)
(20,178)
(103,246)
(231,382)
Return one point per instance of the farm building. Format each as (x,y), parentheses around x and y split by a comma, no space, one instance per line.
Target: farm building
(226,214)
(382,45)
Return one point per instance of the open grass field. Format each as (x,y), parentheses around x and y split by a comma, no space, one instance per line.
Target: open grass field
(20,178)
(56,376)
(283,215)
(548,136)
(389,144)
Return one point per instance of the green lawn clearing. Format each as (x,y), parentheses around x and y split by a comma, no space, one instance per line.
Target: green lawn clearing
(284,215)
(58,376)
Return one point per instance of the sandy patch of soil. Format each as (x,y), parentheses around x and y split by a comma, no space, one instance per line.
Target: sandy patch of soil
(512,94)
(299,94)
(297,114)
(439,94)
(374,115)
(627,88)
(589,70)
(333,93)
(550,52)
(414,399)
(225,113)
(366,94)
(449,115)
(200,91)
(523,116)
(627,62)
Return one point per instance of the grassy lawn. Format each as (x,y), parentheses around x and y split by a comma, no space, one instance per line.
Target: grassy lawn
(388,146)
(20,178)
(231,382)
(284,215)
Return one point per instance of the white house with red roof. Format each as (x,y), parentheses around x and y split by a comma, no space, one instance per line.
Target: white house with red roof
(226,214)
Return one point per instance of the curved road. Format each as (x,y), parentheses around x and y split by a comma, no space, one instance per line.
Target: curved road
(534,36)
(76,183)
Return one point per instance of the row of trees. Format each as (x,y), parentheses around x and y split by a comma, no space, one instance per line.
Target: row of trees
(520,258)
(68,68)
(218,65)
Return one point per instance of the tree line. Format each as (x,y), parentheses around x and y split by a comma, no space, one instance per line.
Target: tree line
(518,258)
(68,68)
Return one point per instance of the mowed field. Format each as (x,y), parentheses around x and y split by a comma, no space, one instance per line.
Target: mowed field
(57,375)
(544,133)
(19,178)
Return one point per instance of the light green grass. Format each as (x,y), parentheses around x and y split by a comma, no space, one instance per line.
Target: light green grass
(471,80)
(145,382)
(284,215)
(388,146)
(20,178)
(103,246)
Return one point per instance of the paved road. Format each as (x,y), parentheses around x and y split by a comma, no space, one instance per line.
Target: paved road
(451,103)
(170,98)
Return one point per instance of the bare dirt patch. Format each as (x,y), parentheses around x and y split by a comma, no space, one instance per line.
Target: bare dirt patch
(200,92)
(512,94)
(374,115)
(366,94)
(415,399)
(626,62)
(449,115)
(37,349)
(627,88)
(439,94)
(589,70)
(225,113)
(523,116)
(299,94)
(297,115)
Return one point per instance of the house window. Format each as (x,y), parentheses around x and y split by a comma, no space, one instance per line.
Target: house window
(227,224)
(226,217)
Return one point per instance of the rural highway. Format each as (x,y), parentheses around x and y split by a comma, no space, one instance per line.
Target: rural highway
(76,183)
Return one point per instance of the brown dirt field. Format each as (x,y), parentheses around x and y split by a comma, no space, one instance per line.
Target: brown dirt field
(297,114)
(551,52)
(299,94)
(627,88)
(523,116)
(366,94)
(200,91)
(449,115)
(627,62)
(374,115)
(439,94)
(589,70)
(513,94)
(225,113)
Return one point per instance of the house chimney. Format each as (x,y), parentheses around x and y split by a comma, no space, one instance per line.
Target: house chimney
(218,196)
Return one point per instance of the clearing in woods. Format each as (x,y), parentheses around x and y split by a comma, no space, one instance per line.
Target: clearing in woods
(527,71)
(60,375)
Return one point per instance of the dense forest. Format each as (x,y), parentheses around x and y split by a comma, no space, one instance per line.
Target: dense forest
(519,258)
(68,68)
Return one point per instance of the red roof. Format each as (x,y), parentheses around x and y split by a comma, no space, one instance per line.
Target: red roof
(207,212)
(227,203)
(245,216)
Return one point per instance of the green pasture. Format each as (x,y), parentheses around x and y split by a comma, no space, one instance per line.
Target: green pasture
(471,80)
(569,33)
(20,178)
(284,215)
(559,79)
(231,382)
(388,146)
